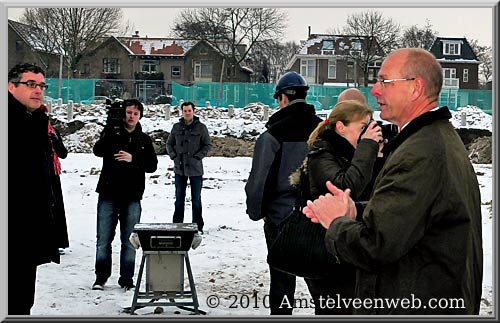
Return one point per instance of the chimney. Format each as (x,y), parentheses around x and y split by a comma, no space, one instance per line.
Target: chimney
(136,34)
(309,32)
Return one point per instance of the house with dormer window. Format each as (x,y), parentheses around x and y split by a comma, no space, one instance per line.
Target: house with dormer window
(335,60)
(153,64)
(459,62)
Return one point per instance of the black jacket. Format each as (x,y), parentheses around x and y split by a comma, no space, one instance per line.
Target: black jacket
(30,197)
(120,179)
(278,152)
(187,145)
(332,158)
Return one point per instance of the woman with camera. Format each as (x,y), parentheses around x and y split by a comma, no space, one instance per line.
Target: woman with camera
(343,149)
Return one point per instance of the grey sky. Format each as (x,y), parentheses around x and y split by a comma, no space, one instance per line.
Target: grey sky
(473,23)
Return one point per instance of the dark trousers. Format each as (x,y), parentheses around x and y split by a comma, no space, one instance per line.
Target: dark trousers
(342,285)
(180,197)
(21,281)
(282,285)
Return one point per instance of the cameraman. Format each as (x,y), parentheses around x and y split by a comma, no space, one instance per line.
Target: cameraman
(128,154)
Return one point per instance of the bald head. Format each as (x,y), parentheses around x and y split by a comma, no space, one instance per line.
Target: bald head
(421,63)
(352,94)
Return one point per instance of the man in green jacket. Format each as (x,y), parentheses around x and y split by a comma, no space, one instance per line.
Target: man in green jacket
(417,242)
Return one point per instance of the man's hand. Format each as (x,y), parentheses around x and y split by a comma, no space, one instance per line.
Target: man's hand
(123,156)
(328,207)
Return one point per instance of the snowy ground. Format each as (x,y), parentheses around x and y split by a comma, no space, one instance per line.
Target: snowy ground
(229,265)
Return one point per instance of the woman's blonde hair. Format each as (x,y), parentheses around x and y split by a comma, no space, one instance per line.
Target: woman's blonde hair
(346,111)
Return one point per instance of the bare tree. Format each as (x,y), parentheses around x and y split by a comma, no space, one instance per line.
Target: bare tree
(73,31)
(421,37)
(378,36)
(233,32)
(269,58)
(484,54)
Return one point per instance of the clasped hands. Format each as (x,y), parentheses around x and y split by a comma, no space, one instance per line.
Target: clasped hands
(328,207)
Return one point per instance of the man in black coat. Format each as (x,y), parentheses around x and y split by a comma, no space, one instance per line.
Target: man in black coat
(278,152)
(30,198)
(128,154)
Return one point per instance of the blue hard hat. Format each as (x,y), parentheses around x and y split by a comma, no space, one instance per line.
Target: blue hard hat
(290,80)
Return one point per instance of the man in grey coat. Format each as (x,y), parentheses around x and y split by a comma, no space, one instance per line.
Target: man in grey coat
(187,144)
(418,241)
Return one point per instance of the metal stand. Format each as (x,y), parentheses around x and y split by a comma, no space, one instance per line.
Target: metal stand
(171,294)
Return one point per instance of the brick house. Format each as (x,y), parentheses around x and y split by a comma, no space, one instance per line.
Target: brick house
(459,62)
(329,60)
(146,67)
(28,45)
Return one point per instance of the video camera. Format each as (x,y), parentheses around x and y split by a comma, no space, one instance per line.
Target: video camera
(115,114)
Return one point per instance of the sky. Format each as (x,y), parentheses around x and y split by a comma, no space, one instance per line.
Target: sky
(473,23)
(230,264)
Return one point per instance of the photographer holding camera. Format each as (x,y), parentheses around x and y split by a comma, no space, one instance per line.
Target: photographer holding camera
(128,154)
(342,149)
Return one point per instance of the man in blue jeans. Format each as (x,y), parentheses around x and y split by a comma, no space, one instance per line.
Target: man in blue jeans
(187,144)
(128,154)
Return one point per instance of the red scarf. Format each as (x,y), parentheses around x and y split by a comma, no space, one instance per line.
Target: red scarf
(55,158)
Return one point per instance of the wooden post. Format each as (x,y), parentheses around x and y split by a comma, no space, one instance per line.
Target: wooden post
(463,122)
(265,117)
(167,111)
(49,106)
(70,110)
(230,111)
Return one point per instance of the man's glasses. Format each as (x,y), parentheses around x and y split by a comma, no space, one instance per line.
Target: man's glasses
(384,82)
(33,85)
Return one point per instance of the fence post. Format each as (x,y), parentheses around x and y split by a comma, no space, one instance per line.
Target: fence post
(70,110)
(265,117)
(207,104)
(59,102)
(463,122)
(167,111)
(49,106)
(230,111)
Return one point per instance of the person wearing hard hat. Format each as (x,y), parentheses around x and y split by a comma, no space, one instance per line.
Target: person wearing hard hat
(278,152)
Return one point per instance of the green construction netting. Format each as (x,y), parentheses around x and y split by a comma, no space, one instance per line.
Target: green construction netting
(71,89)
(241,94)
(322,97)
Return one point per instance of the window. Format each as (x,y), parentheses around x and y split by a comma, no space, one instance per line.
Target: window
(466,75)
(203,70)
(175,71)
(327,44)
(308,68)
(449,73)
(356,48)
(332,68)
(449,77)
(373,69)
(451,48)
(328,47)
(85,69)
(111,65)
(19,46)
(356,45)
(149,66)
